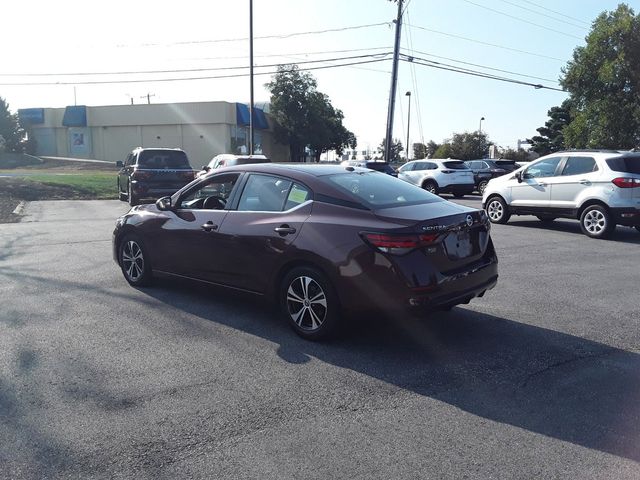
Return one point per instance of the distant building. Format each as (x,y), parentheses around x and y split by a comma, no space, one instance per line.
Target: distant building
(202,129)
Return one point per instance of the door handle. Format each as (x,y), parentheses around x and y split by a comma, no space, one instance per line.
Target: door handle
(543,184)
(585,182)
(209,226)
(284,230)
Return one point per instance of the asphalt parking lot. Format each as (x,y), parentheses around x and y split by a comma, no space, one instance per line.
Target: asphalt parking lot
(538,379)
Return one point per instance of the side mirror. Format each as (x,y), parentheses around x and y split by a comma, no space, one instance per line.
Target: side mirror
(206,168)
(164,204)
(519,177)
(119,164)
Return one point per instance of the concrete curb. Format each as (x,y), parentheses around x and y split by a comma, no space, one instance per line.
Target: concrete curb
(20,208)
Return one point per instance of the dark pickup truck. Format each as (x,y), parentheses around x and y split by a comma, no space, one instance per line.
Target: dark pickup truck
(151,173)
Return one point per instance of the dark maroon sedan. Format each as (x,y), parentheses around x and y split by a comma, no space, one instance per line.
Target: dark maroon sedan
(321,240)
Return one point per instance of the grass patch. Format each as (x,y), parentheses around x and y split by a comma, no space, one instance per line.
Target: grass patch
(100,186)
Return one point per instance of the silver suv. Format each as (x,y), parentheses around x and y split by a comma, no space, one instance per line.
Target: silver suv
(599,188)
(439,176)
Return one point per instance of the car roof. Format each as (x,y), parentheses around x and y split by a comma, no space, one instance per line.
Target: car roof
(314,169)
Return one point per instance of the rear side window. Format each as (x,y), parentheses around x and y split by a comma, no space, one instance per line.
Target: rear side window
(625,164)
(265,193)
(579,165)
(455,165)
(163,159)
(379,190)
(297,195)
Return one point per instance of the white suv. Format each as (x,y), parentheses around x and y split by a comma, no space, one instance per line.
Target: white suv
(599,188)
(439,176)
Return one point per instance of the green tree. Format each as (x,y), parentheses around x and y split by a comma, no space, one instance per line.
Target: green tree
(432,148)
(464,146)
(396,148)
(10,129)
(603,80)
(551,138)
(517,155)
(304,116)
(419,151)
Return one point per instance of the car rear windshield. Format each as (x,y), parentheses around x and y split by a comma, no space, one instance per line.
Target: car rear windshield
(246,161)
(380,167)
(163,159)
(455,165)
(377,190)
(630,164)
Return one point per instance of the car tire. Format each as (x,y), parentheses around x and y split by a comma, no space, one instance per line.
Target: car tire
(596,222)
(481,186)
(133,200)
(430,186)
(309,303)
(497,210)
(121,195)
(134,261)
(546,218)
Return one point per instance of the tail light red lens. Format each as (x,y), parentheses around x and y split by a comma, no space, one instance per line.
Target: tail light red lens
(448,171)
(623,182)
(141,175)
(398,244)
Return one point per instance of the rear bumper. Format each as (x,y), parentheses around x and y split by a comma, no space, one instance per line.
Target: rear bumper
(145,190)
(629,217)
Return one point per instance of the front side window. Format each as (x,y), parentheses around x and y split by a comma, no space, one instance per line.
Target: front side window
(407,167)
(266,193)
(543,168)
(579,166)
(212,194)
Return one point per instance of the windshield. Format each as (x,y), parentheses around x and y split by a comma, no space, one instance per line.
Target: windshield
(455,165)
(629,164)
(378,190)
(163,159)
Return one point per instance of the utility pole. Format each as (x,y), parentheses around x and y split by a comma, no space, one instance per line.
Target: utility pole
(251,77)
(147,96)
(394,82)
(408,94)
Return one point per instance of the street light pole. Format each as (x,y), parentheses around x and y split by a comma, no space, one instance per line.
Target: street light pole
(408,94)
(394,82)
(251,77)
(480,129)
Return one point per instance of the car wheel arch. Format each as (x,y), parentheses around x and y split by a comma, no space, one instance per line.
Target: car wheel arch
(589,203)
(425,180)
(298,263)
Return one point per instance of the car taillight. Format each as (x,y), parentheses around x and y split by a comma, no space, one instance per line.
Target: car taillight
(189,175)
(398,244)
(448,171)
(140,175)
(626,182)
(498,170)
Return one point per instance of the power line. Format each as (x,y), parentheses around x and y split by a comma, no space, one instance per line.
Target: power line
(475,73)
(556,12)
(241,39)
(186,70)
(348,50)
(484,66)
(485,43)
(182,79)
(522,20)
(544,15)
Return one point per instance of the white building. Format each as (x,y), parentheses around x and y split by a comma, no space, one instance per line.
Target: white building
(202,130)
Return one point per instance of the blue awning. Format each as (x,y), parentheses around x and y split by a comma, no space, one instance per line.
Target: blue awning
(259,118)
(31,116)
(75,116)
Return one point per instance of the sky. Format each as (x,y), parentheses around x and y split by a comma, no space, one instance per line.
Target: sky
(530,39)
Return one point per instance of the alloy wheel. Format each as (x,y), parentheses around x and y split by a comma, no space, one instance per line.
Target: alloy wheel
(594,222)
(306,303)
(495,210)
(132,261)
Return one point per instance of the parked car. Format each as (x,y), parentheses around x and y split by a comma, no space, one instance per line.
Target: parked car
(229,160)
(383,167)
(439,176)
(508,165)
(601,189)
(151,173)
(321,240)
(483,171)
